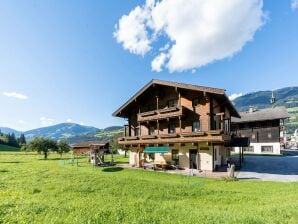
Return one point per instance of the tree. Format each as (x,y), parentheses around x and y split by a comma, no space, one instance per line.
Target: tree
(63,147)
(22,139)
(114,142)
(42,144)
(12,141)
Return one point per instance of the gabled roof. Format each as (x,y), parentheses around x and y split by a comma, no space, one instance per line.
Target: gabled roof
(262,115)
(186,86)
(88,144)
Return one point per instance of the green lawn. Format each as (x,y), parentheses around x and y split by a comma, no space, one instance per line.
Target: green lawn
(7,148)
(33,190)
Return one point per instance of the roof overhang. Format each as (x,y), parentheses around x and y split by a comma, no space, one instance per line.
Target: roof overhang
(176,85)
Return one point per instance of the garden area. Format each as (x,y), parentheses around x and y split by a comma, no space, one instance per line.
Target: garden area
(56,190)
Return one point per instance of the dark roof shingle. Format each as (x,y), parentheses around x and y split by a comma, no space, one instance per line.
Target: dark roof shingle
(88,144)
(262,115)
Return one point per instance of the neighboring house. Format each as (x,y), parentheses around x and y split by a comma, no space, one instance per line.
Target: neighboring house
(264,127)
(178,123)
(87,147)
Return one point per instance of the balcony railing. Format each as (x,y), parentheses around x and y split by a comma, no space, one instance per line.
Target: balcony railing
(160,114)
(218,135)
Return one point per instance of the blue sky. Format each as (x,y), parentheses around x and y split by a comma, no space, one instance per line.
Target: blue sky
(62,57)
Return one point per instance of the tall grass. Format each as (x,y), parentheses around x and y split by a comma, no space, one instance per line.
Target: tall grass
(33,190)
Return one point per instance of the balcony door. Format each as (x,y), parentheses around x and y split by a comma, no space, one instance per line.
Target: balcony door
(193,162)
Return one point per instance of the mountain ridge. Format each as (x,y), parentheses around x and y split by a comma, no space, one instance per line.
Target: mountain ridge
(286,96)
(65,131)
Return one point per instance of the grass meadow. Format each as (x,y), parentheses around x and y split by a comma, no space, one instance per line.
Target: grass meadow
(33,190)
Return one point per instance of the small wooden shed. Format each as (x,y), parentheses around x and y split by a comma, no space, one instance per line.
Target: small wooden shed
(89,147)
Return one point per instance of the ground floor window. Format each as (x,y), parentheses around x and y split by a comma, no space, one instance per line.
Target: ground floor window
(248,149)
(267,148)
(151,156)
(175,155)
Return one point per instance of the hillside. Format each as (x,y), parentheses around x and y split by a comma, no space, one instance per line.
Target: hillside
(103,134)
(7,131)
(6,148)
(60,131)
(287,97)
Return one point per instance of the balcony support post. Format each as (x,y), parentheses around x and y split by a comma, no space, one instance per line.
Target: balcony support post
(157,124)
(157,107)
(129,127)
(180,124)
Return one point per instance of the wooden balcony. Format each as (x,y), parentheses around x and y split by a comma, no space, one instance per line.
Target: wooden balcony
(202,136)
(160,114)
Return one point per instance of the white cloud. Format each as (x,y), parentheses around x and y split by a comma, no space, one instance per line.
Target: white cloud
(45,121)
(132,32)
(235,95)
(16,95)
(200,31)
(294,5)
(158,62)
(22,122)
(69,120)
(82,123)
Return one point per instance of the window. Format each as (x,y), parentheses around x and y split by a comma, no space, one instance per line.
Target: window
(151,130)
(151,156)
(137,131)
(173,103)
(215,154)
(248,149)
(175,155)
(267,148)
(171,129)
(195,126)
(195,102)
(151,107)
(227,125)
(126,130)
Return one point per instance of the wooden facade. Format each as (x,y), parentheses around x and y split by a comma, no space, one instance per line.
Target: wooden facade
(167,113)
(263,127)
(88,147)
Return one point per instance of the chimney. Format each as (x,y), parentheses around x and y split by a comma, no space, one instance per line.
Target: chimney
(273,98)
(251,109)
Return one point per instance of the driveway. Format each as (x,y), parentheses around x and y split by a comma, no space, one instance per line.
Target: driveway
(271,168)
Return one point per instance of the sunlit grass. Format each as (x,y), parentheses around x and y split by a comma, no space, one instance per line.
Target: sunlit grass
(33,190)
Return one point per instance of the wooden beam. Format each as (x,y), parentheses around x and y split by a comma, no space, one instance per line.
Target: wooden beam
(180,124)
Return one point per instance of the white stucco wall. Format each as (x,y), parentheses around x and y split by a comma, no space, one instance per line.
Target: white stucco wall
(132,158)
(204,156)
(258,148)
